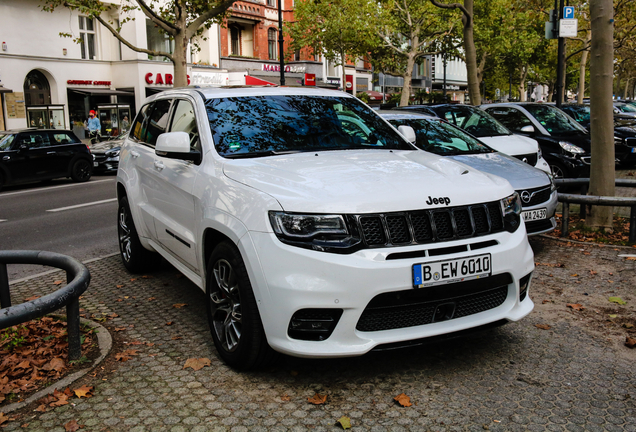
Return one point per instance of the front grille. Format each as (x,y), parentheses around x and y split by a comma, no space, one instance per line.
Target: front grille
(429,226)
(418,306)
(530,159)
(539,226)
(99,157)
(536,195)
(630,142)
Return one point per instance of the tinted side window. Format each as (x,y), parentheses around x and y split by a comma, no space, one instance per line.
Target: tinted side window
(184,120)
(62,138)
(35,139)
(138,129)
(157,120)
(511,118)
(5,141)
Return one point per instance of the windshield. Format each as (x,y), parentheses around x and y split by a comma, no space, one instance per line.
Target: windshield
(5,141)
(579,113)
(555,121)
(476,122)
(627,108)
(270,125)
(441,138)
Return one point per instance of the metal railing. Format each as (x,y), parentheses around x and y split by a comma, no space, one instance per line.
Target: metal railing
(586,200)
(77,279)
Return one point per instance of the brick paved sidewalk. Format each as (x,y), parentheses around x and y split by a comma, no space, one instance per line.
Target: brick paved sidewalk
(575,376)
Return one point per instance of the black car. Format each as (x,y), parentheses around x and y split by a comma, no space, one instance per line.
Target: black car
(29,155)
(624,131)
(564,143)
(106,155)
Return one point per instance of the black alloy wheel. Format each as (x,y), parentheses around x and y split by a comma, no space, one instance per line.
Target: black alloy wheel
(233,315)
(135,257)
(81,170)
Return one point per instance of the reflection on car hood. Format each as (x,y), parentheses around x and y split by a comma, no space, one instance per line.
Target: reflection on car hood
(365,181)
(105,145)
(512,144)
(519,174)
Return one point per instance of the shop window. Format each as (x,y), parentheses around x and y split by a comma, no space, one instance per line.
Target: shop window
(87,36)
(235,36)
(158,41)
(185,121)
(271,43)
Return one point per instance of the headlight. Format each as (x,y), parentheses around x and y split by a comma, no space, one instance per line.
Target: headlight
(618,140)
(313,231)
(552,185)
(511,207)
(113,153)
(571,148)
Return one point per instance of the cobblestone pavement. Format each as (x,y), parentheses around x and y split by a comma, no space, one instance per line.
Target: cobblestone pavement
(575,376)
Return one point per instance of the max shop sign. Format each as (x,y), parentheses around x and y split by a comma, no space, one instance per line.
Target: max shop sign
(291,69)
(84,82)
(159,78)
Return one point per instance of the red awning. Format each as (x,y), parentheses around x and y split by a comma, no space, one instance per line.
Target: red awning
(250,80)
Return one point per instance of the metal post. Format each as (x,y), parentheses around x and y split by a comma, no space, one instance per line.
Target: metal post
(565,219)
(73,326)
(583,208)
(281,46)
(632,224)
(444,62)
(5,294)
(560,61)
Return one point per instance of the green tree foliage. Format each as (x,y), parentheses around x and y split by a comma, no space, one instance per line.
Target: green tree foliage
(181,20)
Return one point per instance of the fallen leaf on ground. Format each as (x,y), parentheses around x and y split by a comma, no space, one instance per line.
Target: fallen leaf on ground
(197,363)
(133,279)
(628,326)
(592,272)
(151,298)
(631,258)
(574,275)
(545,301)
(345,422)
(32,298)
(73,426)
(3,418)
(179,305)
(84,391)
(630,342)
(125,356)
(57,364)
(119,286)
(575,306)
(285,398)
(176,337)
(170,323)
(543,326)
(117,329)
(58,282)
(617,300)
(403,400)
(317,399)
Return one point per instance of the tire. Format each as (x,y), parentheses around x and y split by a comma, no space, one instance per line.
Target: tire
(135,257)
(559,170)
(233,316)
(81,170)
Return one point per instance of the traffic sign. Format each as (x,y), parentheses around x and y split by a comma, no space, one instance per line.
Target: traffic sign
(568,27)
(568,12)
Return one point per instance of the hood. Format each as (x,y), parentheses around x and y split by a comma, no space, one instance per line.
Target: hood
(101,147)
(512,144)
(519,174)
(366,181)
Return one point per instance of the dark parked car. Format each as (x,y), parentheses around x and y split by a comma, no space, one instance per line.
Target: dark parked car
(564,143)
(624,132)
(106,155)
(625,109)
(29,155)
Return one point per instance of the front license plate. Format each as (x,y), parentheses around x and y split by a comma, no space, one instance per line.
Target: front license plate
(633,149)
(95,164)
(533,215)
(451,271)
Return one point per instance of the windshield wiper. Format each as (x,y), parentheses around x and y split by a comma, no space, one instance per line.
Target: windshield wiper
(261,154)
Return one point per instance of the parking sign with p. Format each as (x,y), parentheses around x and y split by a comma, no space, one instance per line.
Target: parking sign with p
(568,12)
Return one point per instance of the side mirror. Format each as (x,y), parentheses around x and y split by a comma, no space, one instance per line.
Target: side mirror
(408,133)
(176,145)
(527,129)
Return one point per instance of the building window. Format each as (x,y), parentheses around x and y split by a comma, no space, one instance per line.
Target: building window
(235,36)
(271,3)
(158,41)
(297,55)
(271,43)
(87,36)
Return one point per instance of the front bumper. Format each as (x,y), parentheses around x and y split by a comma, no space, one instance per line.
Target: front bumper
(543,225)
(287,279)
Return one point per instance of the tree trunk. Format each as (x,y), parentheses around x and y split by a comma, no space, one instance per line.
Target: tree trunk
(180,50)
(626,87)
(408,74)
(522,83)
(344,70)
(602,175)
(471,55)
(582,68)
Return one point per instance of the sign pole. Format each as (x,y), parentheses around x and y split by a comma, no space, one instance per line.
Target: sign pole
(281,42)
(560,62)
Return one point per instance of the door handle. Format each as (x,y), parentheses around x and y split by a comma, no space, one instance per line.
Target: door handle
(134,154)
(159,165)
(6,158)
(49,153)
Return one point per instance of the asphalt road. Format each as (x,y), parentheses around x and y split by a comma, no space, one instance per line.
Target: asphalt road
(75,219)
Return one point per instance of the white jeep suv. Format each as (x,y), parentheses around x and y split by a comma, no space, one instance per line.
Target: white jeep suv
(310,239)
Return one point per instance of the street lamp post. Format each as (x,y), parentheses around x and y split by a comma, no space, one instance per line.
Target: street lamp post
(281,41)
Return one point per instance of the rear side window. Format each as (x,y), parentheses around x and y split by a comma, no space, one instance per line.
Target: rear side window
(184,120)
(157,120)
(511,118)
(138,129)
(62,138)
(36,139)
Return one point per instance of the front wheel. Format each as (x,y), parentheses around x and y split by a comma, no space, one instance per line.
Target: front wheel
(559,170)
(135,257)
(233,315)
(81,170)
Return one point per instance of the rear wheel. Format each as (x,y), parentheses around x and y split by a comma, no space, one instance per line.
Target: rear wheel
(233,316)
(135,257)
(81,170)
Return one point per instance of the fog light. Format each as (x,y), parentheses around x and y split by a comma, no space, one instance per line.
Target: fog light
(524,284)
(313,324)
